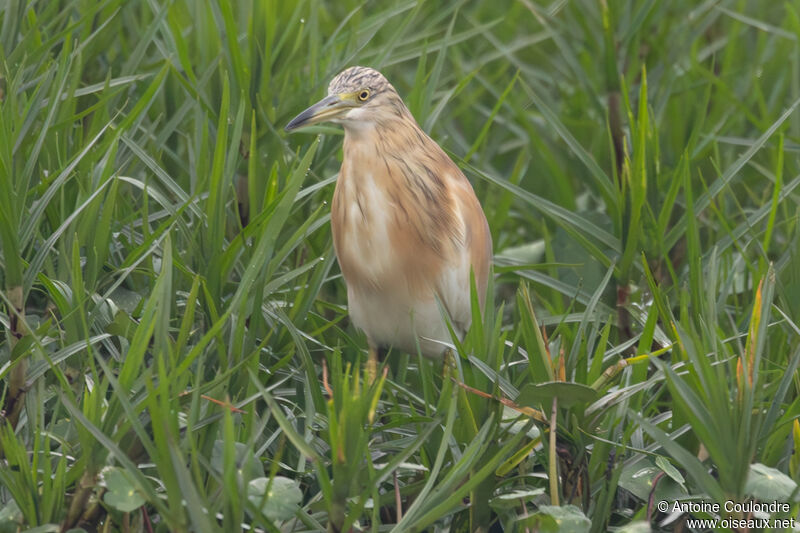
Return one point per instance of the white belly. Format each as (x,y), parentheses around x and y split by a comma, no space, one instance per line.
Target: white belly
(391,320)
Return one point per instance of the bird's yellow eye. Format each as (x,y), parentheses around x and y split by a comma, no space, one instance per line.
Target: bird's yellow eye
(363,95)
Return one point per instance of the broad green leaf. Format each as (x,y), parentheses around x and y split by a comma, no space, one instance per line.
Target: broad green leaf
(638,479)
(121,493)
(246,461)
(768,484)
(664,464)
(568,394)
(553,519)
(11,519)
(513,499)
(278,498)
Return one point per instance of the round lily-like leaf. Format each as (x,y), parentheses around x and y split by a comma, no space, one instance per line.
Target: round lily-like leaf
(568,394)
(121,493)
(11,519)
(246,461)
(768,484)
(281,502)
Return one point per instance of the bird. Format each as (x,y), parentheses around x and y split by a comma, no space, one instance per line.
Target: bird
(408,229)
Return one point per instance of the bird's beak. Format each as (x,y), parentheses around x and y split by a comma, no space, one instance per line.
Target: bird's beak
(326,109)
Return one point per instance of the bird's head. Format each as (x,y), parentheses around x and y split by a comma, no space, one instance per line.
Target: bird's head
(358,96)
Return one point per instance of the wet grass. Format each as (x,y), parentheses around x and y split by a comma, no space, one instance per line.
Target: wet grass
(169,296)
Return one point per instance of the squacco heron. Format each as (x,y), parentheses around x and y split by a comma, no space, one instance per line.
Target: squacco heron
(407,227)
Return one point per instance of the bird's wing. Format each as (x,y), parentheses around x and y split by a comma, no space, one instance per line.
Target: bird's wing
(473,257)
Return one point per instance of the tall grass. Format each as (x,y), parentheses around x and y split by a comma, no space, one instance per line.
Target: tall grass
(175,350)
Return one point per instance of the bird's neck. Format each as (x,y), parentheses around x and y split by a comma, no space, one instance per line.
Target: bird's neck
(360,133)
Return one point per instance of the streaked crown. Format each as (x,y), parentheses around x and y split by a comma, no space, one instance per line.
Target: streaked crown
(356,78)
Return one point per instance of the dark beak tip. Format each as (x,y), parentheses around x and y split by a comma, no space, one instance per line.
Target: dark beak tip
(297,122)
(312,114)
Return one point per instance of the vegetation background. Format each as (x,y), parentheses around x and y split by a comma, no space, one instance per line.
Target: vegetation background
(171,305)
